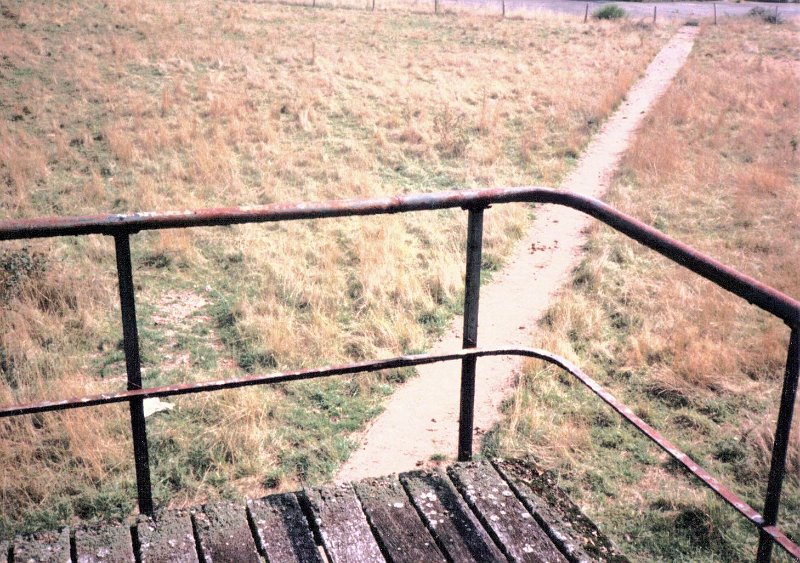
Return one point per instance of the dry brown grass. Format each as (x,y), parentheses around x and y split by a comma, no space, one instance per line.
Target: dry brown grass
(135,105)
(715,165)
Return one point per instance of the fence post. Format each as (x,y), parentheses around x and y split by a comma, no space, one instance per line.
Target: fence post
(780,445)
(715,14)
(435,6)
(586,14)
(504,8)
(130,336)
(472,286)
(373,5)
(654,14)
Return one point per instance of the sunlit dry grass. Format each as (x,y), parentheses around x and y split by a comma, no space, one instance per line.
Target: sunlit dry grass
(140,105)
(715,166)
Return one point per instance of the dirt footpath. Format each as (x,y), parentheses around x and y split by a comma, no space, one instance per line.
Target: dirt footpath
(421,418)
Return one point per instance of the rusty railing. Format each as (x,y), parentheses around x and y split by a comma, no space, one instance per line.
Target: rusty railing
(121,227)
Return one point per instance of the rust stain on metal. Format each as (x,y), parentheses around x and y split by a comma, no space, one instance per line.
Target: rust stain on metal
(780,538)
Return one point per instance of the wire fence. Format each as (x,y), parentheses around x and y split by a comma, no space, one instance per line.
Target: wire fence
(641,12)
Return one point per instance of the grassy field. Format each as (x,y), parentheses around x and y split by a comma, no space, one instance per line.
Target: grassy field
(716,166)
(140,105)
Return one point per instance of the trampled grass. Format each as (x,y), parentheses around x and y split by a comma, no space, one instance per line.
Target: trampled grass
(141,105)
(716,166)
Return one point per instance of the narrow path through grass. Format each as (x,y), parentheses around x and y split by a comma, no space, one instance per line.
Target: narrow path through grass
(419,425)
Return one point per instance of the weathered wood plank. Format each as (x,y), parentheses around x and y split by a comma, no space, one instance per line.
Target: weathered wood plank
(110,543)
(282,530)
(342,526)
(169,537)
(395,521)
(509,522)
(449,519)
(565,524)
(224,534)
(47,547)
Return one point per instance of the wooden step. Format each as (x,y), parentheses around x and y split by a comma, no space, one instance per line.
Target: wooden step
(101,544)
(456,529)
(224,534)
(574,534)
(396,523)
(282,530)
(47,547)
(475,511)
(167,537)
(341,525)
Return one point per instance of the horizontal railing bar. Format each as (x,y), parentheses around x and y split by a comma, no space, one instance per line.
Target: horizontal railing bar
(415,360)
(780,538)
(746,287)
(250,380)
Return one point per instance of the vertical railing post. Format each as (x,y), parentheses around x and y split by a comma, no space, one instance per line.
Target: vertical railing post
(130,335)
(781,445)
(472,287)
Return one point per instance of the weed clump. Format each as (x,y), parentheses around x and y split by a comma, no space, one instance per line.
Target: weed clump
(609,12)
(767,16)
(17,266)
(453,139)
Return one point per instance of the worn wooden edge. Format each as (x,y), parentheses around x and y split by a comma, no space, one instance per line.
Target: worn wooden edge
(509,522)
(110,542)
(170,536)
(569,528)
(281,529)
(177,535)
(395,522)
(458,532)
(340,525)
(224,534)
(45,547)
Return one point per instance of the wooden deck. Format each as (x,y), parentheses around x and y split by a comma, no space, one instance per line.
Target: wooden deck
(477,511)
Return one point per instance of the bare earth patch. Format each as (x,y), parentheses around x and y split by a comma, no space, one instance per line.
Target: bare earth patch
(179,309)
(421,418)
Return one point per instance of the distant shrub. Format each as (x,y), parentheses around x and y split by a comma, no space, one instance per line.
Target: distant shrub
(767,15)
(609,12)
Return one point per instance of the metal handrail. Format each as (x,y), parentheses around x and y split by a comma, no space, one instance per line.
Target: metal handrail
(121,227)
(765,297)
(410,361)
